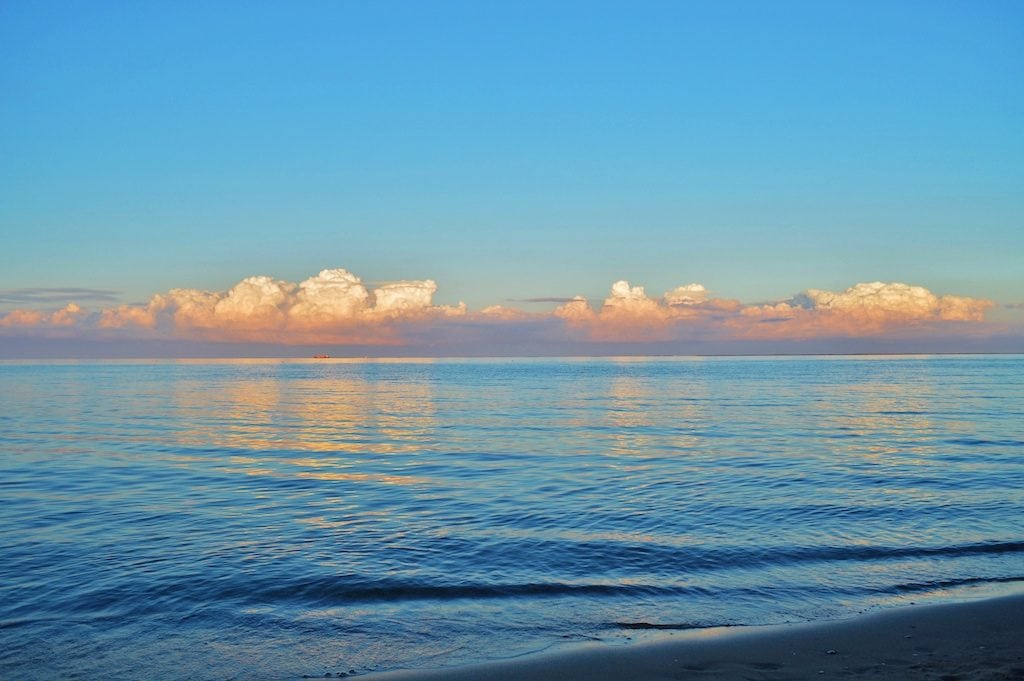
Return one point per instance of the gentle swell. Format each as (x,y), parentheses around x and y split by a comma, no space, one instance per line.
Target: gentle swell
(979,442)
(882,552)
(670,559)
(916,587)
(325,590)
(340,589)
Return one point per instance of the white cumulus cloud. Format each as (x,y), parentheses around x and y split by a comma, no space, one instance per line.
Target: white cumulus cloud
(878,299)
(691,294)
(404,296)
(336,306)
(331,295)
(256,302)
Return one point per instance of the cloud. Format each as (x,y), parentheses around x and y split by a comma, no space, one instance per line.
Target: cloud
(66,316)
(126,316)
(336,307)
(629,314)
(24,318)
(576,310)
(332,306)
(404,297)
(51,296)
(629,298)
(333,295)
(866,309)
(253,303)
(896,301)
(689,312)
(691,294)
(495,312)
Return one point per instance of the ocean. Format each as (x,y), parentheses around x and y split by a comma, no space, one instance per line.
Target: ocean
(274,519)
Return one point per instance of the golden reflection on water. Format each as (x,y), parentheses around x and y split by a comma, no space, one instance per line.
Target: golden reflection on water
(316,428)
(336,468)
(326,415)
(629,414)
(403,413)
(637,406)
(280,472)
(692,413)
(884,416)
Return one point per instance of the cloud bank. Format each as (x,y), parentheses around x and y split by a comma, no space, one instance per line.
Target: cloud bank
(332,307)
(336,308)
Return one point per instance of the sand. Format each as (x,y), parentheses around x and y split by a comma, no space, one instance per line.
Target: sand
(951,642)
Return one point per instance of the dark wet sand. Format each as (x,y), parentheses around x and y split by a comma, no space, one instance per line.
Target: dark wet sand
(950,642)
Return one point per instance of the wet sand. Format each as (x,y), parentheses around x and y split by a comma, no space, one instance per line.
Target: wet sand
(949,642)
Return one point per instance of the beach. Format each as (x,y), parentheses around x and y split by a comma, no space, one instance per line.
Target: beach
(974,640)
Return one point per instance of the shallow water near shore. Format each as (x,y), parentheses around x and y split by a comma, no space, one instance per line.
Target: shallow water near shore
(269,519)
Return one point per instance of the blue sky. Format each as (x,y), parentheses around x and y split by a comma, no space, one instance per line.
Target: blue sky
(514,150)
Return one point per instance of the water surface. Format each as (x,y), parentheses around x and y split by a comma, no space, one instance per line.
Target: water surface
(269,519)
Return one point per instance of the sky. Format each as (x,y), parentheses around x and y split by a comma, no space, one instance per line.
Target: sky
(475,166)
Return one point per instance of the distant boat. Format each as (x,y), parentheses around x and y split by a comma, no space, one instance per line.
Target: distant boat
(321,356)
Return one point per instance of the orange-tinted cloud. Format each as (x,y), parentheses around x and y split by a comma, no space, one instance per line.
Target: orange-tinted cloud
(23,318)
(691,294)
(333,306)
(866,309)
(629,314)
(336,307)
(66,316)
(494,312)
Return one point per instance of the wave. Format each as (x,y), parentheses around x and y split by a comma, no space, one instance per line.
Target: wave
(938,584)
(980,442)
(183,591)
(830,553)
(326,589)
(588,557)
(677,626)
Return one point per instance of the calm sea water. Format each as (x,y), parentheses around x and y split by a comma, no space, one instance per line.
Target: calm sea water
(270,519)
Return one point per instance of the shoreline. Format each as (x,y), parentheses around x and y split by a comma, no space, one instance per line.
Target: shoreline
(980,639)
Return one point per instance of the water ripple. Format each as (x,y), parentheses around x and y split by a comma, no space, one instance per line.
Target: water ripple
(290,513)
